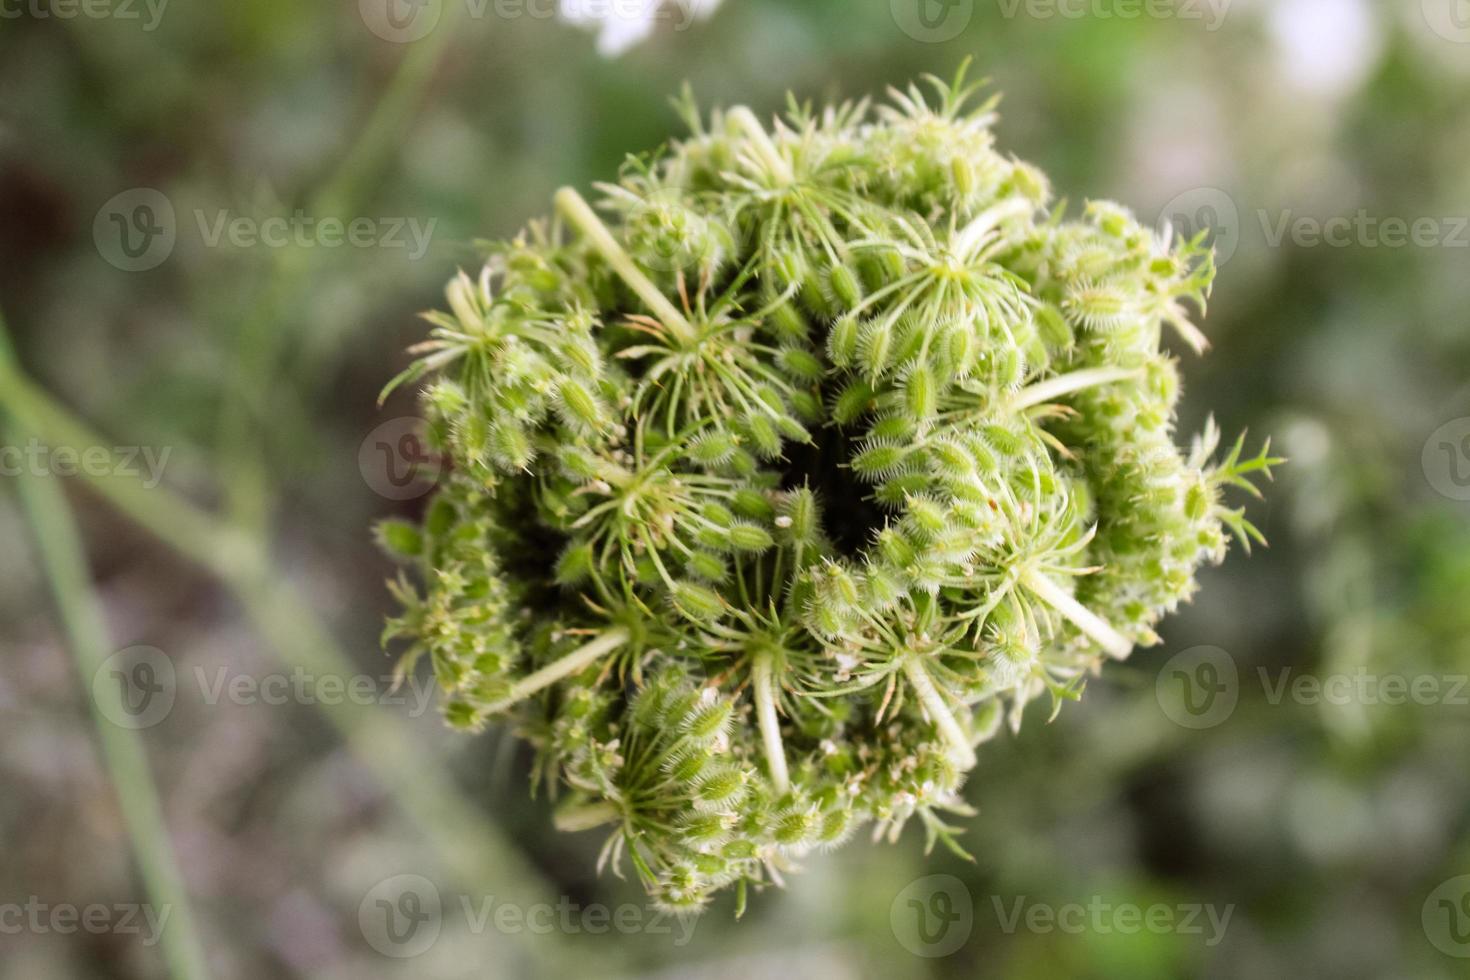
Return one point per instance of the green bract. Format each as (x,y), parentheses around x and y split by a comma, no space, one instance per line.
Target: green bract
(776,487)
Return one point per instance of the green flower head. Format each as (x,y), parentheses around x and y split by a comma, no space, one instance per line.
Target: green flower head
(787,473)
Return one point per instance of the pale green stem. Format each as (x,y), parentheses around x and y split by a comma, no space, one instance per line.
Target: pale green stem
(584,219)
(981,225)
(770,155)
(1192,335)
(262,333)
(175,521)
(1066,384)
(65,566)
(122,750)
(585,816)
(765,709)
(578,660)
(1116,644)
(938,711)
(383,133)
(380,741)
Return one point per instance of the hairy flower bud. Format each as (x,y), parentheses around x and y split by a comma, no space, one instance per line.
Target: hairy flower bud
(773,493)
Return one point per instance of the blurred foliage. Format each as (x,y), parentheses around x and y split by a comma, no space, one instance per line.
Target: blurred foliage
(1326,827)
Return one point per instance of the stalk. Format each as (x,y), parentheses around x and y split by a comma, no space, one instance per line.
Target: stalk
(933,702)
(572,819)
(468,849)
(1192,335)
(765,148)
(765,709)
(1065,384)
(126,760)
(571,663)
(584,219)
(175,521)
(982,223)
(1116,644)
(263,333)
(64,564)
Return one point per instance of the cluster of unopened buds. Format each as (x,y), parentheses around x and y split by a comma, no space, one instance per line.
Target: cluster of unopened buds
(786,475)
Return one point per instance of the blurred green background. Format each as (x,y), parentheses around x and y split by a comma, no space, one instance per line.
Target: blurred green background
(1201,813)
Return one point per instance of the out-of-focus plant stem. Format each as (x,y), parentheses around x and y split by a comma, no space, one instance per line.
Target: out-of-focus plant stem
(466,846)
(262,332)
(64,564)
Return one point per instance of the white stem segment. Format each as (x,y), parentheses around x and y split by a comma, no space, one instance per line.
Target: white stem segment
(765,710)
(1065,384)
(745,120)
(573,662)
(1192,335)
(1116,644)
(584,219)
(572,819)
(939,713)
(972,234)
